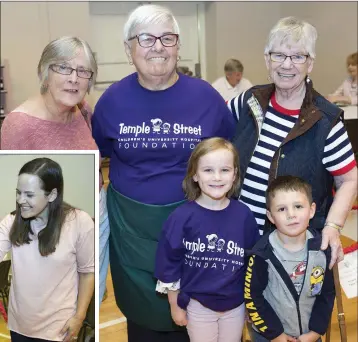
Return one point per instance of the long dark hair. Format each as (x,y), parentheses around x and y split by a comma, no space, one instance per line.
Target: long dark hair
(50,175)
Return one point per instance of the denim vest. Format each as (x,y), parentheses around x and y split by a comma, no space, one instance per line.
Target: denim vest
(301,152)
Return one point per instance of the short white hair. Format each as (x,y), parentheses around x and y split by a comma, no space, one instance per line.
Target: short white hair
(295,30)
(63,49)
(147,15)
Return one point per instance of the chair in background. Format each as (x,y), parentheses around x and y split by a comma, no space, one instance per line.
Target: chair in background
(87,329)
(4,282)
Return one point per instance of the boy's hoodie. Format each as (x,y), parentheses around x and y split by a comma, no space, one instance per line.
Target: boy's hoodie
(271,299)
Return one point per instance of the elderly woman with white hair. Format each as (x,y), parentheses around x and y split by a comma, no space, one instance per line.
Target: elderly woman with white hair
(288,128)
(148,123)
(57,118)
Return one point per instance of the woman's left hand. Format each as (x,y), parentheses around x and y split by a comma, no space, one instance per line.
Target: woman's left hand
(72,328)
(330,236)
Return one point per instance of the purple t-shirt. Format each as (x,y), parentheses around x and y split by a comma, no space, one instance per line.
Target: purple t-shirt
(149,135)
(205,249)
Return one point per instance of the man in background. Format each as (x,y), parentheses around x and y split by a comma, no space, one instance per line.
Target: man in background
(232,84)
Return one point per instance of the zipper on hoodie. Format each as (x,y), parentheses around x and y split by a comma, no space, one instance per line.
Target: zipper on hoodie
(291,288)
(298,299)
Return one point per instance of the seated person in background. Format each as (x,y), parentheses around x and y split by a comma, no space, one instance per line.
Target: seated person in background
(347,92)
(232,84)
(299,274)
(184,70)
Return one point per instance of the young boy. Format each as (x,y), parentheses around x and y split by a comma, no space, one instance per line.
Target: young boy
(289,289)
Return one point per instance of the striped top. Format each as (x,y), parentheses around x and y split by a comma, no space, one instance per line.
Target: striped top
(278,121)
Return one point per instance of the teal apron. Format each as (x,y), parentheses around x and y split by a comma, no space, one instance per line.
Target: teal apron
(135,231)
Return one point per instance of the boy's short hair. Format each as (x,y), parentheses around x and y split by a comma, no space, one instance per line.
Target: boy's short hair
(288,183)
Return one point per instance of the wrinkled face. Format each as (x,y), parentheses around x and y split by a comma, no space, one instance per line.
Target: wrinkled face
(286,75)
(352,71)
(68,90)
(155,61)
(31,198)
(291,211)
(215,174)
(233,77)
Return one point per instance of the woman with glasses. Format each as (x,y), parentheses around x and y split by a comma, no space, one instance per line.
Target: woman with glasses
(287,127)
(148,123)
(52,253)
(57,118)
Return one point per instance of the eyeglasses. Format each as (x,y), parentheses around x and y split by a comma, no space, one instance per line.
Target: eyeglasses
(147,40)
(67,70)
(281,57)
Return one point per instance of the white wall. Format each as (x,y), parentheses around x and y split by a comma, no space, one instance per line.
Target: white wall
(78,174)
(240,30)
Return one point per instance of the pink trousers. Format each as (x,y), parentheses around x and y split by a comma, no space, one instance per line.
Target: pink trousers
(205,325)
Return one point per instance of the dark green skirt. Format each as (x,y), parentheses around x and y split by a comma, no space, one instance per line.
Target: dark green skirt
(135,231)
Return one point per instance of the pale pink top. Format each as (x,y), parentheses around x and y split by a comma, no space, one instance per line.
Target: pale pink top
(43,293)
(21,131)
(348,88)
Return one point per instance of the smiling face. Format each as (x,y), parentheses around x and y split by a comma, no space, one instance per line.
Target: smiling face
(291,211)
(31,198)
(66,91)
(155,61)
(287,75)
(215,174)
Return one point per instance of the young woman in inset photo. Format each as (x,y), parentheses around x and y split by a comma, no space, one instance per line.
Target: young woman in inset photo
(52,257)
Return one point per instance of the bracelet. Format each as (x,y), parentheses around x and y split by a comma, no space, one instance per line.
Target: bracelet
(333,225)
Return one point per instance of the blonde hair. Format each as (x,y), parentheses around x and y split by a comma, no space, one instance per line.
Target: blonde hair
(64,49)
(190,187)
(296,30)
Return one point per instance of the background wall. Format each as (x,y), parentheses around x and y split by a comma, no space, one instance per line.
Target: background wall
(78,174)
(232,29)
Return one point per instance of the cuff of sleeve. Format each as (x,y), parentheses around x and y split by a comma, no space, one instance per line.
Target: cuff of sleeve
(268,335)
(164,287)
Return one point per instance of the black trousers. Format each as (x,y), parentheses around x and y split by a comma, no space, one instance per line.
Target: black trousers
(15,337)
(137,333)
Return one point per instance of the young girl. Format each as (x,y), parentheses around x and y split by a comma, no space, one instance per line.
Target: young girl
(52,255)
(201,250)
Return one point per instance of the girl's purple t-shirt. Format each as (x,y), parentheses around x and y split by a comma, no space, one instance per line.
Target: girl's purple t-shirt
(149,135)
(206,250)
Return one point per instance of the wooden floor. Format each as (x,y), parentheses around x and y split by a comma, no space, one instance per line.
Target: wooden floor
(117,332)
